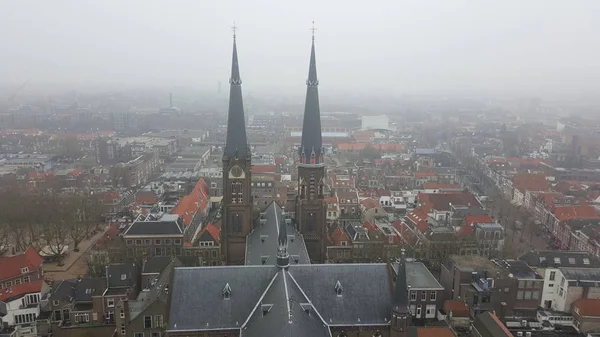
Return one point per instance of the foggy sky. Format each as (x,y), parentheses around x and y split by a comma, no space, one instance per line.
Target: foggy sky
(536,47)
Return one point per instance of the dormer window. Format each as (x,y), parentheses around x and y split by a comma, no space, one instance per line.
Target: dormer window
(123,277)
(227,292)
(338,288)
(24,270)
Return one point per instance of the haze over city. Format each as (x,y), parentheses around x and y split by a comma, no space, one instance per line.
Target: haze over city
(541,48)
(299,169)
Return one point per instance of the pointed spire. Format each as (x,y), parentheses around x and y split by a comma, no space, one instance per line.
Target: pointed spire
(283,257)
(311,127)
(236,144)
(401,300)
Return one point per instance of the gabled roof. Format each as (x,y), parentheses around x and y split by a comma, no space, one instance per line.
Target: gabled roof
(264,168)
(156,264)
(210,231)
(370,203)
(336,294)
(458,308)
(11,266)
(19,290)
(487,324)
(419,217)
(433,331)
(338,235)
(194,202)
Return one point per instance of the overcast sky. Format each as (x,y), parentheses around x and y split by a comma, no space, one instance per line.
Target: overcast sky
(422,46)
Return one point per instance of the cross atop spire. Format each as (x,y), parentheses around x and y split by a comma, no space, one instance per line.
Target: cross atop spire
(313,31)
(234,28)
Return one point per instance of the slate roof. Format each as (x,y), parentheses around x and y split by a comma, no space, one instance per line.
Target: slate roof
(287,316)
(247,285)
(156,264)
(121,275)
(487,324)
(365,297)
(88,287)
(547,258)
(418,276)
(64,290)
(236,144)
(262,242)
(312,142)
(159,292)
(154,228)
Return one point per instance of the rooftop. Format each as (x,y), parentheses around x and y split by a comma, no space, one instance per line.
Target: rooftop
(475,262)
(418,276)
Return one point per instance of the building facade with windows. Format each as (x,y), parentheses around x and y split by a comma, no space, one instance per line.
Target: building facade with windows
(21,268)
(147,237)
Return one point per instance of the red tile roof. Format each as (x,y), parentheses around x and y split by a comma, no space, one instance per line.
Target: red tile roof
(213,231)
(20,290)
(434,332)
(431,186)
(530,182)
(424,174)
(419,217)
(587,307)
(575,212)
(264,168)
(478,219)
(370,203)
(465,230)
(405,232)
(338,236)
(11,266)
(196,201)
(458,308)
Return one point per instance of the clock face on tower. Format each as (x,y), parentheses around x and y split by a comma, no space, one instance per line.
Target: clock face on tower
(236,172)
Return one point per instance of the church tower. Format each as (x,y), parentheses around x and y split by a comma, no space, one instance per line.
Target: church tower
(401,316)
(311,207)
(237,196)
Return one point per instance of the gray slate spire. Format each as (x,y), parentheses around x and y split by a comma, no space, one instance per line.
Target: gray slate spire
(401,300)
(236,144)
(283,256)
(311,144)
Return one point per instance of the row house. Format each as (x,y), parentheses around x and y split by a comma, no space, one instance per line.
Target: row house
(426,294)
(349,205)
(22,268)
(423,177)
(342,182)
(587,239)
(92,302)
(206,245)
(333,208)
(571,219)
(524,182)
(586,315)
(445,175)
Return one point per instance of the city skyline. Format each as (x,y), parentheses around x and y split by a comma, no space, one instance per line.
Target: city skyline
(388,47)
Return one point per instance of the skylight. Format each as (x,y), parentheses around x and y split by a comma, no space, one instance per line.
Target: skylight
(586,260)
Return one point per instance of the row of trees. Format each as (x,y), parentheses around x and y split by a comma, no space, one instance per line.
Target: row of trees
(49,220)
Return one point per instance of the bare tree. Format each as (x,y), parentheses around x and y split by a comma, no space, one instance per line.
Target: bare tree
(55,229)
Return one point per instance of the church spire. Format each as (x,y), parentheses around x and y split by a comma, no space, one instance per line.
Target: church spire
(311,127)
(236,145)
(400,301)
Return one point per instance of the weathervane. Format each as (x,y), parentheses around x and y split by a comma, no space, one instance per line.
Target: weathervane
(313,30)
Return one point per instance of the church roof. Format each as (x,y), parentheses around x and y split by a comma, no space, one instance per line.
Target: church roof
(262,243)
(249,297)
